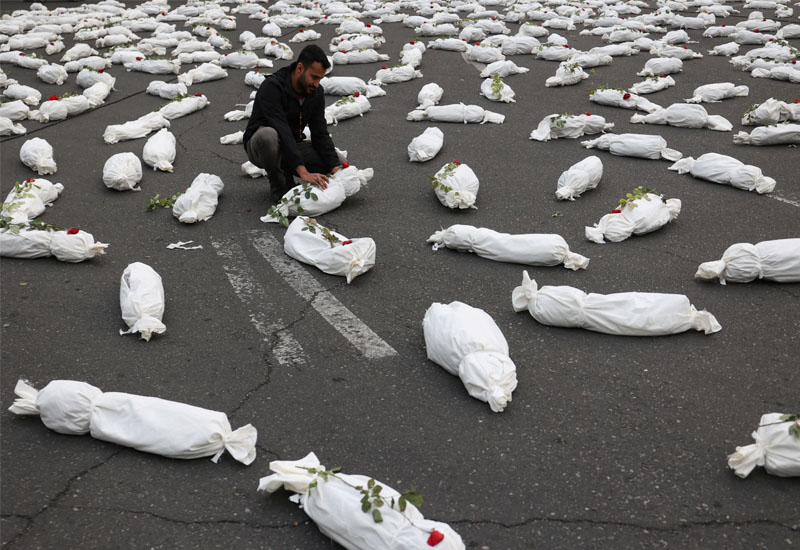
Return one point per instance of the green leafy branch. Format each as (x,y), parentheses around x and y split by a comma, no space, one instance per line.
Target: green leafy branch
(37,224)
(305,191)
(325,233)
(345,100)
(438,180)
(560,120)
(497,85)
(157,201)
(637,194)
(794,429)
(594,89)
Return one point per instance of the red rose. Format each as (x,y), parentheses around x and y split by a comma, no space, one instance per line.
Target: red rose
(73,231)
(794,61)
(138,59)
(163,13)
(435,538)
(626,96)
(412,42)
(301,30)
(356,94)
(100,70)
(383,68)
(21,53)
(756,30)
(456,163)
(764,19)
(494,18)
(566,45)
(52,98)
(686,47)
(344,51)
(345,165)
(198,94)
(347,242)
(368,25)
(616,211)
(477,43)
(588,114)
(29,180)
(52,44)
(723,24)
(661,76)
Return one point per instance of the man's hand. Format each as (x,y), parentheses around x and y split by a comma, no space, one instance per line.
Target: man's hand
(336,168)
(320,180)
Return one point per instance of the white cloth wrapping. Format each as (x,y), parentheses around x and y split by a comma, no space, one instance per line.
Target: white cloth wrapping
(202,73)
(148,424)
(243,60)
(392,75)
(200,200)
(278,50)
(123,172)
(448,44)
(154,66)
(777,73)
(159,150)
(714,93)
(780,134)
(528,248)
(426,145)
(26,244)
(7,127)
(725,170)
(502,69)
(346,182)
(590,60)
(484,54)
(567,74)
(344,109)
(684,115)
(456,112)
(27,200)
(135,129)
(37,155)
(166,90)
(505,93)
(233,139)
(652,84)
(625,100)
(344,260)
(727,49)
(26,94)
(343,85)
(184,106)
(634,145)
(96,94)
(15,110)
(661,65)
(358,56)
(777,260)
(336,509)
(519,45)
(456,186)
(777,450)
(581,177)
(75,247)
(771,111)
(569,126)
(649,214)
(429,95)
(467,343)
(78,51)
(141,299)
(623,313)
(88,77)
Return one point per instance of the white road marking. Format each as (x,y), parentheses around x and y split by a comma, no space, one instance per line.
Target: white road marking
(287,350)
(327,305)
(782,199)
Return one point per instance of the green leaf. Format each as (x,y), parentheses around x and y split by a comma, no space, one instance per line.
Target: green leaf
(376,515)
(377,490)
(413,497)
(371,483)
(378,502)
(365,506)
(312,484)
(314,196)
(402,503)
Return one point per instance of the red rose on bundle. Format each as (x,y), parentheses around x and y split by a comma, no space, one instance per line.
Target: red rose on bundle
(198,94)
(100,70)
(756,30)
(616,211)
(383,68)
(456,163)
(347,242)
(588,114)
(73,231)
(626,96)
(345,165)
(52,98)
(435,538)
(356,94)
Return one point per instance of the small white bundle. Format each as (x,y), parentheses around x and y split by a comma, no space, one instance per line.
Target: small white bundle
(771,111)
(203,73)
(554,52)
(78,51)
(25,243)
(88,77)
(15,110)
(494,89)
(777,260)
(332,501)
(347,107)
(358,56)
(75,246)
(7,127)
(429,95)
(590,60)
(727,49)
(538,249)
(37,155)
(250,169)
(684,115)
(714,93)
(652,84)
(165,90)
(309,242)
(313,201)
(343,85)
(392,75)
(233,139)
(456,185)
(199,57)
(426,145)
(159,150)
(243,60)
(484,54)
(780,134)
(781,72)
(184,106)
(94,62)
(153,66)
(581,177)
(448,44)
(96,94)
(456,112)
(637,217)
(467,343)
(135,129)
(567,74)
(305,35)
(26,94)
(620,98)
(147,424)
(519,45)
(200,200)
(443,29)
(776,448)
(661,66)
(28,200)
(412,57)
(254,78)
(623,313)
(676,52)
(123,172)
(141,299)
(565,125)
(727,171)
(634,145)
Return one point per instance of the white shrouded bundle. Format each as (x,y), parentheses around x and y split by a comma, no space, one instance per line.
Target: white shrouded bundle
(88,77)
(642,215)
(502,69)
(554,52)
(347,107)
(714,93)
(448,44)
(776,448)
(59,109)
(679,52)
(37,155)
(243,60)
(781,72)
(634,145)
(456,112)
(771,111)
(581,177)
(412,57)
(661,66)
(777,260)
(622,313)
(426,145)
(519,45)
(567,74)
(141,299)
(78,51)
(254,78)
(184,106)
(569,126)
(154,66)
(15,110)
(536,249)
(623,99)
(494,89)
(27,200)
(456,185)
(334,504)
(348,85)
(25,243)
(7,127)
(30,96)
(356,42)
(590,60)
(784,133)
(725,170)
(159,150)
(200,200)
(727,49)
(123,172)
(307,241)
(358,56)
(278,50)
(313,201)
(444,29)
(484,54)
(96,94)
(429,95)
(305,35)
(392,75)
(135,129)
(75,246)
(685,115)
(233,139)
(148,424)
(203,73)
(467,343)
(166,90)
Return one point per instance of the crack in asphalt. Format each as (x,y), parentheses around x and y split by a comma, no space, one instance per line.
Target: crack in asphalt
(249,393)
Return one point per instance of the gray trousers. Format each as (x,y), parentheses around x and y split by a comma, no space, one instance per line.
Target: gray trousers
(264,150)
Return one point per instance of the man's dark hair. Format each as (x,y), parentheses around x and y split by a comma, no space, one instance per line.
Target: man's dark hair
(311,54)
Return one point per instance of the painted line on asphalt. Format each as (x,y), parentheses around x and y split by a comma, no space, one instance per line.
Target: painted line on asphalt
(327,305)
(287,350)
(782,199)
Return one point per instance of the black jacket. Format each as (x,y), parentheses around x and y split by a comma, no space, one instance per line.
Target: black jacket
(277,106)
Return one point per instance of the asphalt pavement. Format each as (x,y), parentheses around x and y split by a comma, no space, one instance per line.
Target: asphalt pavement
(609,442)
